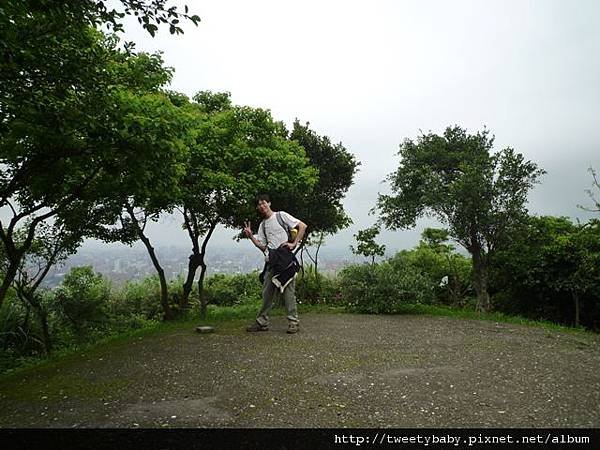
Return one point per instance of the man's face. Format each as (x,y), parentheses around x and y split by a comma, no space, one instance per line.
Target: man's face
(263,207)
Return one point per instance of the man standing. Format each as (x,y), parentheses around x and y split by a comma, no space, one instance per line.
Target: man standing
(274,240)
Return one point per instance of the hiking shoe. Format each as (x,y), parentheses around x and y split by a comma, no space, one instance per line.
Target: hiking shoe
(257,327)
(292,328)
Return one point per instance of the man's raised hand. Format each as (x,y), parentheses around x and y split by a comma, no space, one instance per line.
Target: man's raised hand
(247,229)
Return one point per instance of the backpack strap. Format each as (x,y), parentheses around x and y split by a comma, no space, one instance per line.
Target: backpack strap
(283,224)
(264,232)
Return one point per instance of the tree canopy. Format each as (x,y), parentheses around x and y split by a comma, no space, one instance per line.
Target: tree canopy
(321,208)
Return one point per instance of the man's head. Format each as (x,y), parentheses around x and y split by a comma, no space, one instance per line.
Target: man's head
(263,205)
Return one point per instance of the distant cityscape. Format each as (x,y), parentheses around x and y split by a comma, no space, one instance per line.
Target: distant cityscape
(121,264)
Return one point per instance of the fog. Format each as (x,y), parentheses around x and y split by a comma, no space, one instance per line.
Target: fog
(371,73)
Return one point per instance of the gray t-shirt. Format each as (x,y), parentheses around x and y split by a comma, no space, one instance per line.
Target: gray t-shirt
(275,233)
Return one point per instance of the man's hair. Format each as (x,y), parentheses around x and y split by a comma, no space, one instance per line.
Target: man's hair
(262,197)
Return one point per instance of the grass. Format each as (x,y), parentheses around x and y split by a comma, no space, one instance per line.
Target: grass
(466,313)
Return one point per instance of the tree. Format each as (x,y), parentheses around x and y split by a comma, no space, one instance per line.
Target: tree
(58,78)
(578,257)
(480,196)
(150,15)
(321,207)
(435,238)
(367,245)
(94,13)
(105,157)
(317,241)
(238,153)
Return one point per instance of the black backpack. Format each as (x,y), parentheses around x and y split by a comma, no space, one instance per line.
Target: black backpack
(288,230)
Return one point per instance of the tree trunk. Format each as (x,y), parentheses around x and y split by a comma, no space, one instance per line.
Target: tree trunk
(193,264)
(9,277)
(26,320)
(28,298)
(202,255)
(164,290)
(42,317)
(317,262)
(577,307)
(480,276)
(201,295)
(302,261)
(452,282)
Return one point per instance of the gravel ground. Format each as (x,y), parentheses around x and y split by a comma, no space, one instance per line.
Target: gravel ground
(339,371)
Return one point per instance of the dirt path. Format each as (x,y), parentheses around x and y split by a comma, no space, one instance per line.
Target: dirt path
(340,370)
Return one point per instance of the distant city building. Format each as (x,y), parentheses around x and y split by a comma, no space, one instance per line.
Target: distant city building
(122,264)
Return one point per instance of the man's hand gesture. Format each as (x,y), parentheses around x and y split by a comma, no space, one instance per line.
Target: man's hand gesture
(247,229)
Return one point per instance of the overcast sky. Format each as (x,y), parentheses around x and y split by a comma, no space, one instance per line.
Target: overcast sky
(370,73)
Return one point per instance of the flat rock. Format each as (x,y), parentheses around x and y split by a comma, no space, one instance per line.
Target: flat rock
(205,329)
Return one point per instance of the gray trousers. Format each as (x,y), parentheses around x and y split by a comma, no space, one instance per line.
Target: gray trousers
(270,292)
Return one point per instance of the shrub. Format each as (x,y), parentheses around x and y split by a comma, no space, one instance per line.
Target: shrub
(228,290)
(19,329)
(138,298)
(316,288)
(384,287)
(81,301)
(435,266)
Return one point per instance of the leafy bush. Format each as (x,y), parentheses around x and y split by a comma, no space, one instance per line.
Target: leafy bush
(139,298)
(435,265)
(228,290)
(316,288)
(19,330)
(384,287)
(81,301)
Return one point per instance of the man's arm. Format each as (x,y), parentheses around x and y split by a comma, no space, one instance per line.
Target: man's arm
(248,232)
(262,247)
(301,230)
